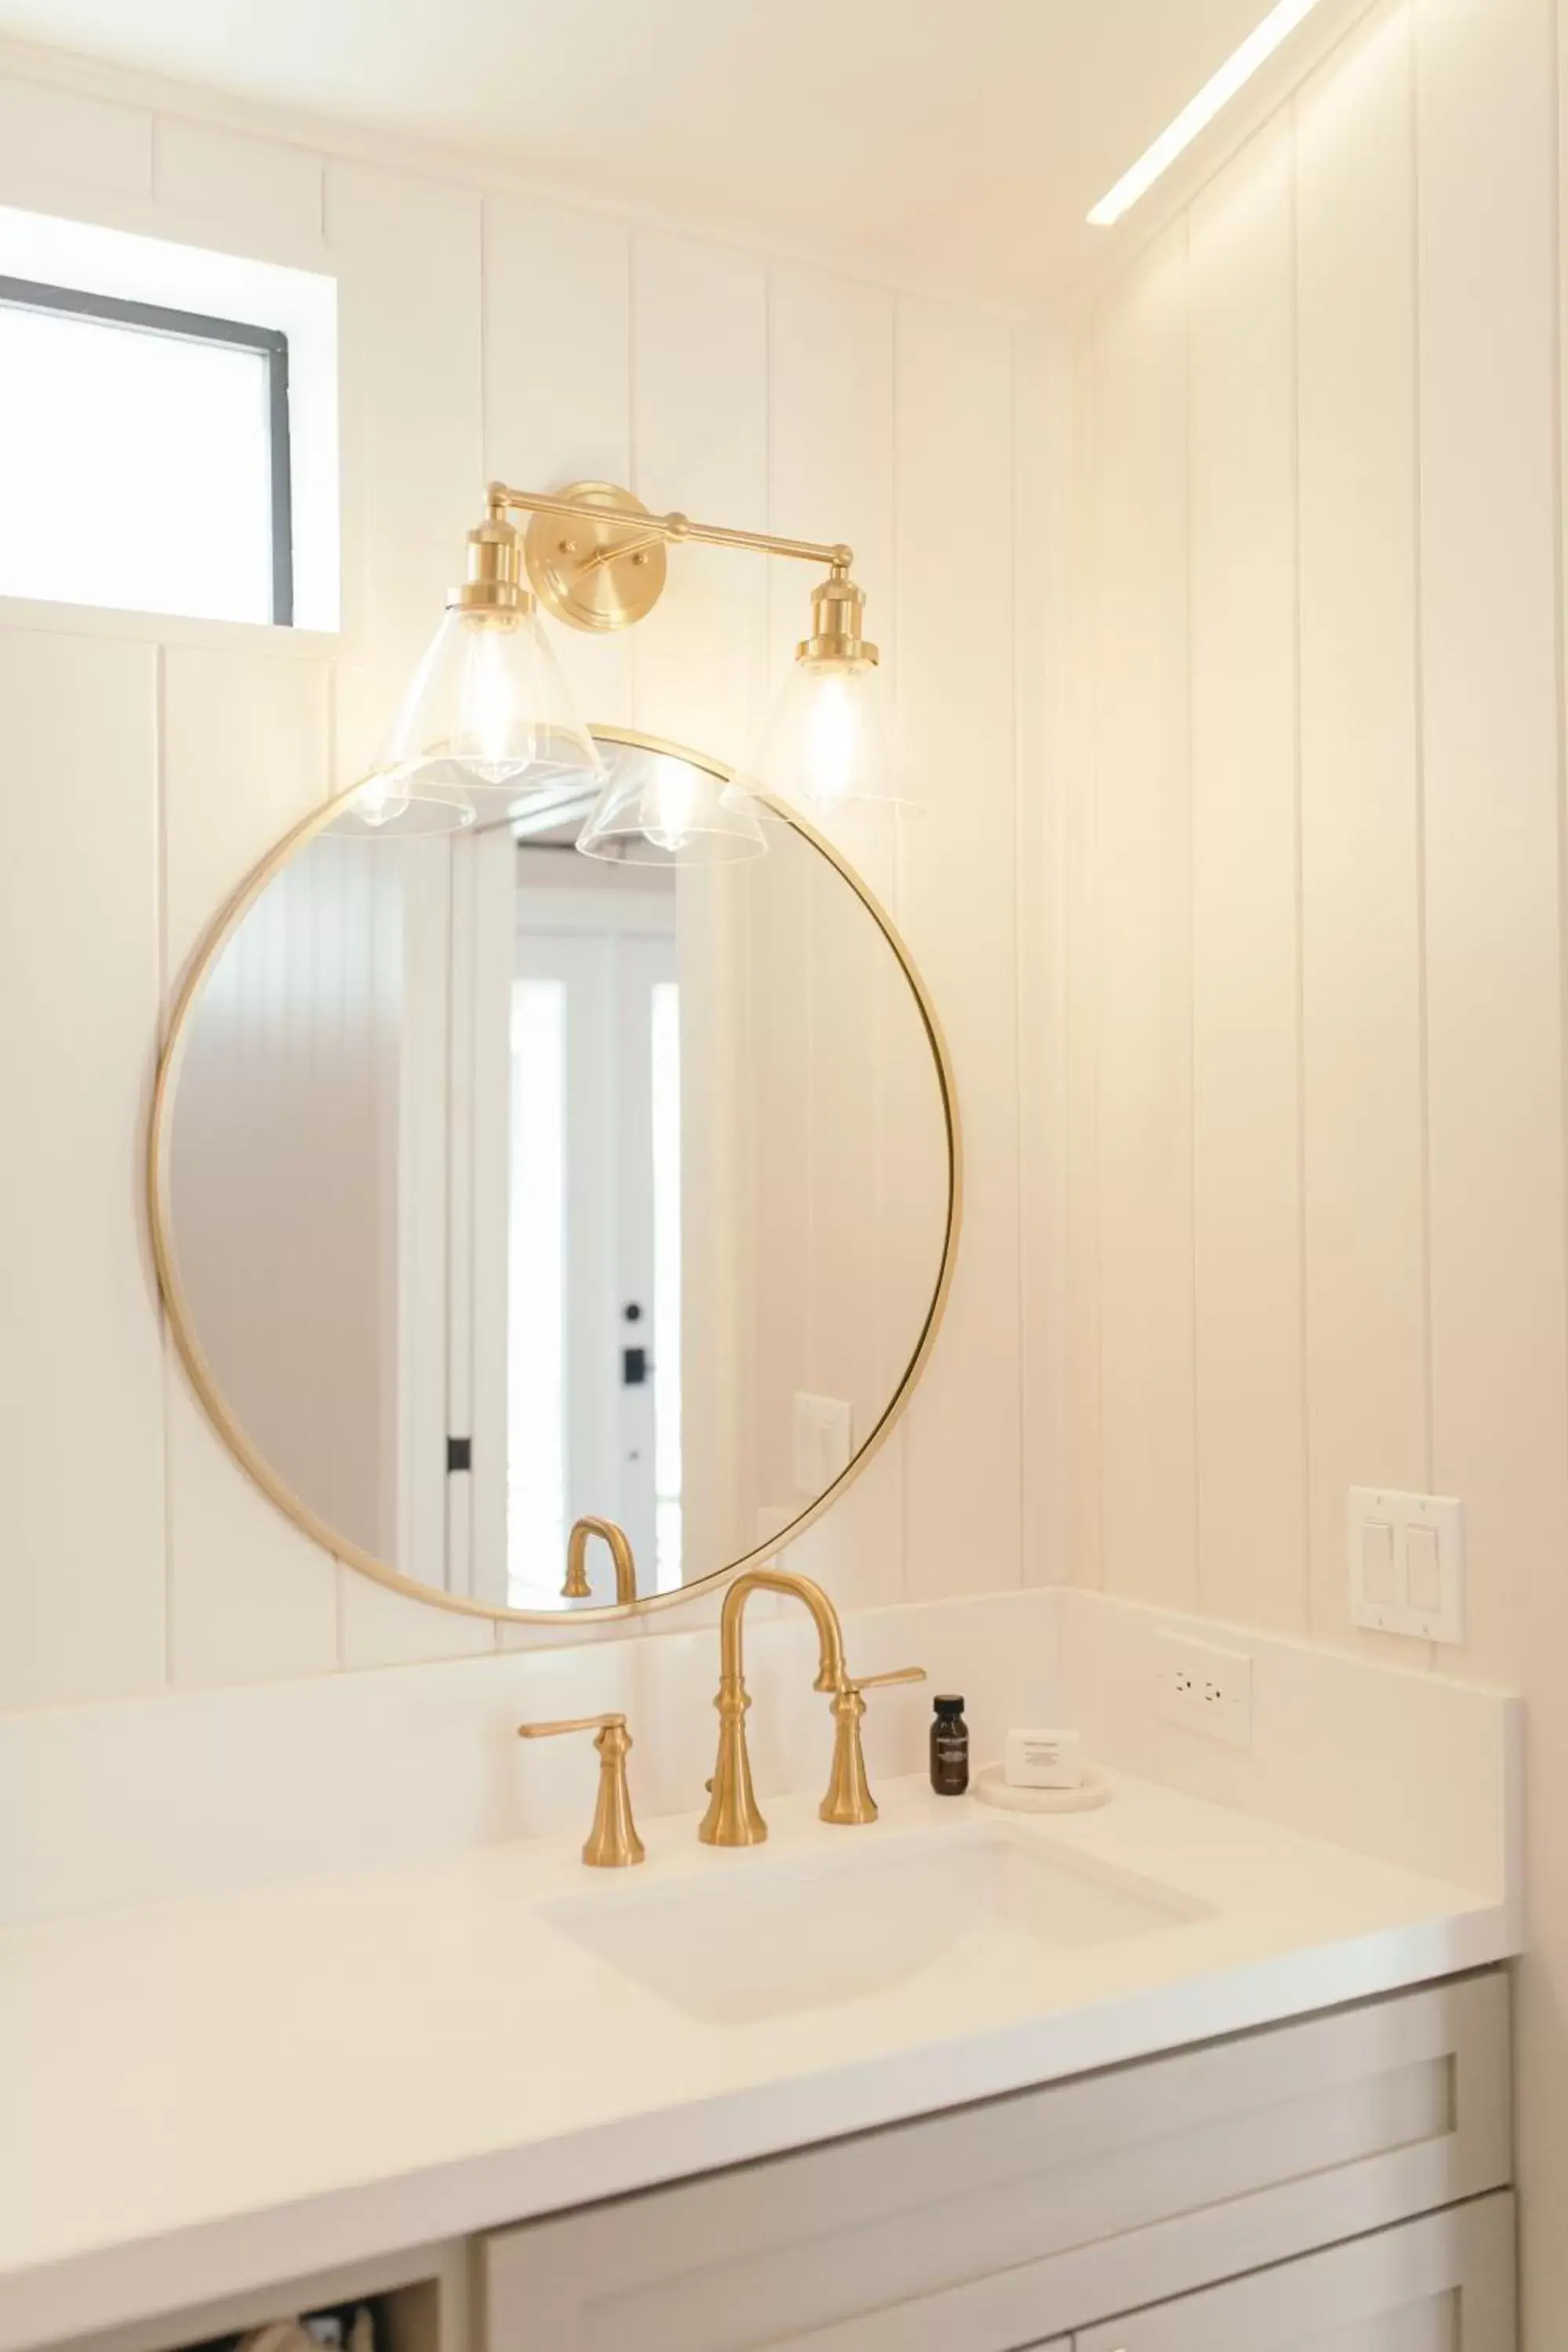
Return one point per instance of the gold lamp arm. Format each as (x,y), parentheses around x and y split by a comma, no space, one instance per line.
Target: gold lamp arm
(651,529)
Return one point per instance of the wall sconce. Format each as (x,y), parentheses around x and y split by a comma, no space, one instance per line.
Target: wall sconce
(489,722)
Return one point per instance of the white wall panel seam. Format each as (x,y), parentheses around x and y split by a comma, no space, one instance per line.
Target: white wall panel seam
(902,1448)
(1555,232)
(1417,542)
(169,1370)
(1189,602)
(1020,1246)
(1303,1287)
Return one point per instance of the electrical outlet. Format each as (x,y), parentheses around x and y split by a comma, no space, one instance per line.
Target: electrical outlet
(1205,1688)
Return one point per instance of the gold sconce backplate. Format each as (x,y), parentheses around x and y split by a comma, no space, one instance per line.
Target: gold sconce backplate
(596,575)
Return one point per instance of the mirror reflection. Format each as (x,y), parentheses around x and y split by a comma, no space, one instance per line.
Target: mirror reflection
(507,1188)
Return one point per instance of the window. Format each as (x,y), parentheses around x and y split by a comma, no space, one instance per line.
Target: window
(168,426)
(159,439)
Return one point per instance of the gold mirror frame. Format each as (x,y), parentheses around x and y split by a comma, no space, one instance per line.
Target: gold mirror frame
(201,1375)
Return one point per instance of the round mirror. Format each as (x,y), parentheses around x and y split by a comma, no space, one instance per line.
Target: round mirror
(497,1189)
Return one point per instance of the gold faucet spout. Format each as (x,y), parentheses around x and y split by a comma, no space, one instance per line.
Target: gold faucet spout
(576,1587)
(734,1817)
(829,1633)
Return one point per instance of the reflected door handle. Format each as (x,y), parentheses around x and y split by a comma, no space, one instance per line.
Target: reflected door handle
(634,1367)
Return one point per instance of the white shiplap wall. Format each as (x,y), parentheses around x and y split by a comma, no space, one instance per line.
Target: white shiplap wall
(1313,843)
(144,765)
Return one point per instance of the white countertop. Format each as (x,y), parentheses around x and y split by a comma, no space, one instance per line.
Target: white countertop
(207,2095)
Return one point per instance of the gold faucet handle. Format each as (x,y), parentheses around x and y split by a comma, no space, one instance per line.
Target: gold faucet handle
(574,1723)
(849,1800)
(613,1842)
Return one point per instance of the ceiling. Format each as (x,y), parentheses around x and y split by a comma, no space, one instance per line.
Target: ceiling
(955,143)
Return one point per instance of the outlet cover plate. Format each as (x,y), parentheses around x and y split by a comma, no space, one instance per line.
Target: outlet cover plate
(1205,1688)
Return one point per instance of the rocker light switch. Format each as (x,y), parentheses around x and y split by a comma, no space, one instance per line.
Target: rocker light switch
(1379,1582)
(822,1448)
(1407,1563)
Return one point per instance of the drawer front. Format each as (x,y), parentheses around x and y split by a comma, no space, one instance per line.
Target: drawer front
(1016,2222)
(1444,2283)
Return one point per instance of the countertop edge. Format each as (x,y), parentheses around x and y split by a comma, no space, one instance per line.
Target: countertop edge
(115,2283)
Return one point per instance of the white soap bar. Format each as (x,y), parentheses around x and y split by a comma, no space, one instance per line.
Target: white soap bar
(1043,1759)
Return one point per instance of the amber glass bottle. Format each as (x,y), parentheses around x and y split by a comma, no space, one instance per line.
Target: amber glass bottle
(949,1748)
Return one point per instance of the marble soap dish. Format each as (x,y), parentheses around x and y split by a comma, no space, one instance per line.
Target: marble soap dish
(992,1788)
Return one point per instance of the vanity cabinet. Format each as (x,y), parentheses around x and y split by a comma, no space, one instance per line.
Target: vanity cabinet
(1444,2283)
(1331,2160)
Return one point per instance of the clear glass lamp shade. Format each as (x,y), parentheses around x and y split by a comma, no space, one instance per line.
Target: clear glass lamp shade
(828,741)
(489,718)
(659,811)
(380,811)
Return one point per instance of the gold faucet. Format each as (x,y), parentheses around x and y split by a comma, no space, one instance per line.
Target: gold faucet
(732,1817)
(613,1842)
(576,1587)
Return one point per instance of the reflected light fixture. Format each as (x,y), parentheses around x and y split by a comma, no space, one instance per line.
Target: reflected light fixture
(657,810)
(1216,92)
(488,720)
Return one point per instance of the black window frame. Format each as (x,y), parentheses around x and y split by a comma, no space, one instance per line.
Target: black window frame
(194,327)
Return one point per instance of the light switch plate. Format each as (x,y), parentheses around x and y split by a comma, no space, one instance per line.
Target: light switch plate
(1203,1687)
(1407,1563)
(821,1442)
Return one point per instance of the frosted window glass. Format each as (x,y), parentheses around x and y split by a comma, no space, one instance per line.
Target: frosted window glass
(135,470)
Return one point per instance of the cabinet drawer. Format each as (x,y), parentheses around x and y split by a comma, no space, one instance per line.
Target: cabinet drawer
(1441,2284)
(1017,2220)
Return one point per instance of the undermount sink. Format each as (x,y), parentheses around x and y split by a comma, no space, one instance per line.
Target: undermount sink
(756,1935)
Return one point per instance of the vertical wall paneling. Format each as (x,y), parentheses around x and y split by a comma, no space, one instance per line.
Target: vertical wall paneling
(482,333)
(1042,430)
(410,252)
(1142,1043)
(1489,385)
(957,722)
(82,1496)
(407,251)
(1247,1201)
(557,385)
(1078,1504)
(1362,1043)
(1490,699)
(700,441)
(832,406)
(245,754)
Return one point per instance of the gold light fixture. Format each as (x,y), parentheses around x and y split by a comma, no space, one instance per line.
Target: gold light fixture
(828,741)
(489,721)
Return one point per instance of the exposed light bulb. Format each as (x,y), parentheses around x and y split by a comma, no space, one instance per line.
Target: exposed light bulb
(829,741)
(488,711)
(492,739)
(377,803)
(833,731)
(674,798)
